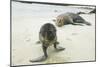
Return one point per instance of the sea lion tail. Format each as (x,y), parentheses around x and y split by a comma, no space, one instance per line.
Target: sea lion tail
(87,23)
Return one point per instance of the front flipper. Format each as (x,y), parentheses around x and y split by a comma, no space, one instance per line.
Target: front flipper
(77,24)
(40,59)
(38,42)
(58,48)
(57,42)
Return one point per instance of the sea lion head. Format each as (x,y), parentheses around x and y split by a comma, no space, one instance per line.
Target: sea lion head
(47,32)
(58,22)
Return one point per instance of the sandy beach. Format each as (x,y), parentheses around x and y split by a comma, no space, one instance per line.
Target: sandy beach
(27,19)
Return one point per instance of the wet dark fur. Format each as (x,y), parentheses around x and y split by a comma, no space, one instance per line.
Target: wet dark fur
(48,30)
(47,36)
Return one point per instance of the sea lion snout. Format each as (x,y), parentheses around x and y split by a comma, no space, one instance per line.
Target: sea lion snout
(57,22)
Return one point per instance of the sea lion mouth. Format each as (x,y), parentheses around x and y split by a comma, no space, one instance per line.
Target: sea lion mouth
(59,25)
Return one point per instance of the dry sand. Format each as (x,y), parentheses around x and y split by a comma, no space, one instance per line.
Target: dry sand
(27,19)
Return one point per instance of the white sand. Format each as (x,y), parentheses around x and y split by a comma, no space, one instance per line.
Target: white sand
(27,19)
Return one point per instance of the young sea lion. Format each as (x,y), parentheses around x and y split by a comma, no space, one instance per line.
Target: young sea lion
(47,36)
(70,18)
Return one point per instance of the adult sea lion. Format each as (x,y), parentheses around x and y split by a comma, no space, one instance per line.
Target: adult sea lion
(70,18)
(47,36)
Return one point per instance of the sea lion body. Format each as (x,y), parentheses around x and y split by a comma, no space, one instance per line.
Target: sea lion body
(70,18)
(47,36)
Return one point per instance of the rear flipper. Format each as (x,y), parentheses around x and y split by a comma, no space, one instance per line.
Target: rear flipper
(87,23)
(83,22)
